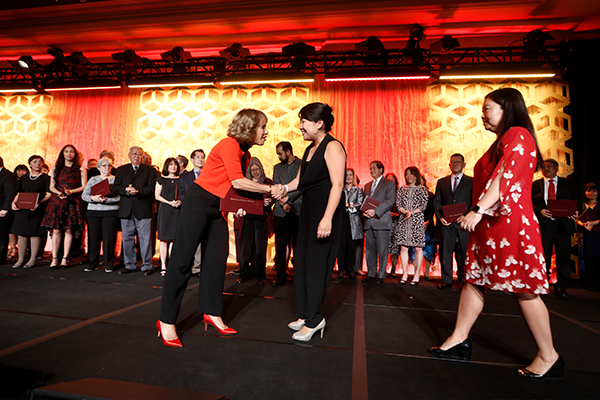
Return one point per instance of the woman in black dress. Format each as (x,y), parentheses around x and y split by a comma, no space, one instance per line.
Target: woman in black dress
(320,228)
(167,193)
(28,223)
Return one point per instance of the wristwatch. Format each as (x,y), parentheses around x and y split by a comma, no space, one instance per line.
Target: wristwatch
(476,209)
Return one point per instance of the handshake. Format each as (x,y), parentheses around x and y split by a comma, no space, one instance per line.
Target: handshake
(278,191)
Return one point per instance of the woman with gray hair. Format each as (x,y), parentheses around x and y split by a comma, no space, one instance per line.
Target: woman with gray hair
(254,232)
(102,218)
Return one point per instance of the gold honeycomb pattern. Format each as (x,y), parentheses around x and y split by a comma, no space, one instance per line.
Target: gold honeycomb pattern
(455,124)
(23,127)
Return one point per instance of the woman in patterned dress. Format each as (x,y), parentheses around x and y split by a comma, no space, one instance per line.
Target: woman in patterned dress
(505,248)
(411,201)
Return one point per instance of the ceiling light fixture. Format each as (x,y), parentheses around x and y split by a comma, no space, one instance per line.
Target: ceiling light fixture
(170,81)
(266,78)
(376,75)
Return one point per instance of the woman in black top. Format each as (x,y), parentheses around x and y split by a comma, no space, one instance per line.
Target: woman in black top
(167,194)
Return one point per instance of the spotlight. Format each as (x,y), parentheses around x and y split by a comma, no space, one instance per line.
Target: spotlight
(417,33)
(127,57)
(235,52)
(372,45)
(77,58)
(536,39)
(177,54)
(298,49)
(24,63)
(446,43)
(57,53)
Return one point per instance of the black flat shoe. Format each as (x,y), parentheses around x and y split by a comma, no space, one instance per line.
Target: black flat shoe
(126,271)
(556,371)
(461,351)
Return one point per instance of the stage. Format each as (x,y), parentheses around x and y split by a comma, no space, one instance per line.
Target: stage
(65,325)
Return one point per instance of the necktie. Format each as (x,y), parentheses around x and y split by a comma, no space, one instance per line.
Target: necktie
(455,184)
(374,187)
(196,173)
(135,168)
(551,190)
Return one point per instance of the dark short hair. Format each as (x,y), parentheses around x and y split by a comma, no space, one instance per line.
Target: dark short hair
(390,176)
(551,161)
(379,165)
(1,163)
(318,111)
(183,159)
(21,167)
(590,186)
(415,171)
(457,155)
(168,161)
(285,146)
(35,157)
(197,151)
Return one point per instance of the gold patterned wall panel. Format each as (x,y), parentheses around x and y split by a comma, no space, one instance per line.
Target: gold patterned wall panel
(23,127)
(455,124)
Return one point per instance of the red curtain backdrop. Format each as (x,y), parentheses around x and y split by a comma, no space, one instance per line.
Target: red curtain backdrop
(383,121)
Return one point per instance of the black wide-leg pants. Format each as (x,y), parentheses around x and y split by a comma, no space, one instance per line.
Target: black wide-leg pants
(200,221)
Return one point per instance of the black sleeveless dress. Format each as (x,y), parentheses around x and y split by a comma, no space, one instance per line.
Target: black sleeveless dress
(314,258)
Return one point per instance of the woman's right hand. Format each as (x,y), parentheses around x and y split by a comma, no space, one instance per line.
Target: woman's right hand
(590,225)
(98,199)
(14,206)
(240,213)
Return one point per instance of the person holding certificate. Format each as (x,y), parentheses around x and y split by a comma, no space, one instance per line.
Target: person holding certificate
(28,216)
(102,216)
(589,222)
(201,221)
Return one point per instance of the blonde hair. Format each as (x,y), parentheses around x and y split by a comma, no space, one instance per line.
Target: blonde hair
(245,123)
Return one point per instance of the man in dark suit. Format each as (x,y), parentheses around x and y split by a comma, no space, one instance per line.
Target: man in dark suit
(453,189)
(134,182)
(378,222)
(556,231)
(185,180)
(8,183)
(286,210)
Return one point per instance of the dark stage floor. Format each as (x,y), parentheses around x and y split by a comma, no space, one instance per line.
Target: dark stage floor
(64,325)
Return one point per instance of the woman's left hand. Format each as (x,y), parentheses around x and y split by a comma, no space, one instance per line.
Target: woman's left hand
(324,228)
(470,221)
(240,213)
(590,225)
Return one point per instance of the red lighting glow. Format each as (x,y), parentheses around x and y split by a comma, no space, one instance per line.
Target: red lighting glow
(81,88)
(380,78)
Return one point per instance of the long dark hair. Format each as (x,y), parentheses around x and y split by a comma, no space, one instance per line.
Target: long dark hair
(515,114)
(60,162)
(168,162)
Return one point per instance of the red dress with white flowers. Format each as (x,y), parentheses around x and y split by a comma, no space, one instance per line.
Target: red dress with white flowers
(505,251)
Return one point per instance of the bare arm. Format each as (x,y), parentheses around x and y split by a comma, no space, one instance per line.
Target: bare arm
(335,158)
(250,185)
(491,196)
(83,183)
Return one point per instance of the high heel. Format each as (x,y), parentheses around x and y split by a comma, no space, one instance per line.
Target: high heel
(170,343)
(64,263)
(163,270)
(209,321)
(556,371)
(54,265)
(296,325)
(461,351)
(414,283)
(305,337)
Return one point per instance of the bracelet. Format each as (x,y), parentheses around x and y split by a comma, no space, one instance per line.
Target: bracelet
(270,188)
(287,189)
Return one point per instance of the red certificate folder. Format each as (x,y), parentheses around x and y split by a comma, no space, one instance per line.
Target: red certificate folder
(27,201)
(369,204)
(233,201)
(562,208)
(590,215)
(453,211)
(101,188)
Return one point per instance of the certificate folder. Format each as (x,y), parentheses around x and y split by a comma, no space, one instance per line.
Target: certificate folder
(590,215)
(27,201)
(369,204)
(453,211)
(562,208)
(101,188)
(233,201)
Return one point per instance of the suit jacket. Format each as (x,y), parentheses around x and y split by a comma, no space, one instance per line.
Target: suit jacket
(185,181)
(281,175)
(385,192)
(566,190)
(8,184)
(144,180)
(445,197)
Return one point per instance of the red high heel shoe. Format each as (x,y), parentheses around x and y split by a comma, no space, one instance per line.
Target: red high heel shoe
(171,343)
(209,321)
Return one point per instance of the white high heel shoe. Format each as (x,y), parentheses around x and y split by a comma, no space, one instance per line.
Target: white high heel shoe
(296,325)
(305,337)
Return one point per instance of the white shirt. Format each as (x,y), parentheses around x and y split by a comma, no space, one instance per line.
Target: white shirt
(374,184)
(459,177)
(546,184)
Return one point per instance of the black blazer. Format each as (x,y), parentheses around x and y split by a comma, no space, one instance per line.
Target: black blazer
(8,184)
(141,204)
(185,181)
(566,190)
(444,195)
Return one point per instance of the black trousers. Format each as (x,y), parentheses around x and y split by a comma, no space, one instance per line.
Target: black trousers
(286,232)
(253,254)
(5,225)
(451,246)
(102,229)
(200,221)
(553,236)
(348,248)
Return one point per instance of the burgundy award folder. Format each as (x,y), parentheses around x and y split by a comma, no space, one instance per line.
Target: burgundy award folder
(562,208)
(590,215)
(233,201)
(453,211)
(27,201)
(369,204)
(101,188)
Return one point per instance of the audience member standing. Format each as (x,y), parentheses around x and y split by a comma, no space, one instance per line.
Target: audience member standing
(64,211)
(102,218)
(134,183)
(167,194)
(556,231)
(183,163)
(28,223)
(394,248)
(19,171)
(286,210)
(453,189)
(350,256)
(8,183)
(378,222)
(591,240)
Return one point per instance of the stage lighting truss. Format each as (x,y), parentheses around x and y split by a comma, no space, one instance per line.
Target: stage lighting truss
(208,70)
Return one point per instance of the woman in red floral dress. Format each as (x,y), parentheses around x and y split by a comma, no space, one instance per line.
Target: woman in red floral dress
(505,248)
